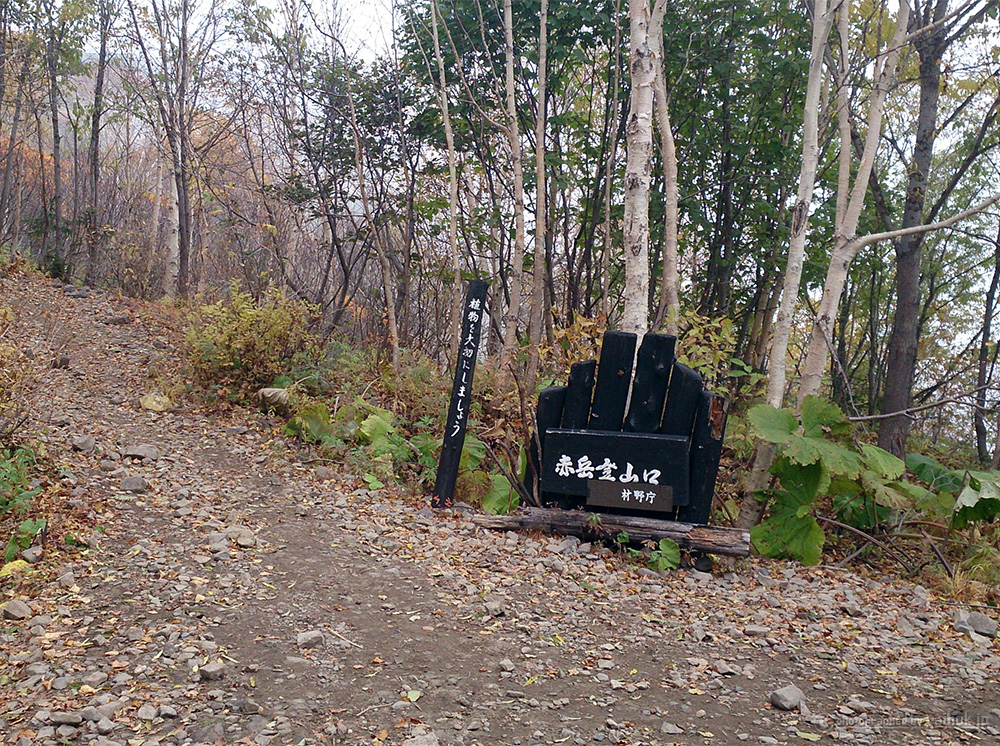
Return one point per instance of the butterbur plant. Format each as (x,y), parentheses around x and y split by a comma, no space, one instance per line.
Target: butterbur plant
(817,458)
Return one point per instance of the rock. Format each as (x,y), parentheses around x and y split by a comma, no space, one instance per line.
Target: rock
(85,443)
(117,321)
(142,452)
(755,630)
(425,739)
(166,711)
(980,623)
(105,726)
(67,579)
(670,729)
(147,712)
(495,608)
(311,639)
(60,362)
(16,609)
(95,679)
(507,665)
(134,484)
(66,718)
(212,671)
(787,698)
(31,555)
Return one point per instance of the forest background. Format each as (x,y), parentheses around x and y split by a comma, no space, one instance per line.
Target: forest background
(805,193)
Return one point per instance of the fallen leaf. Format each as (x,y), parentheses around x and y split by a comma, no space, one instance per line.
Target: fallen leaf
(11,567)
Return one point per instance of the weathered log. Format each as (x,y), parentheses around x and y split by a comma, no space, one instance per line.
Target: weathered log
(715,539)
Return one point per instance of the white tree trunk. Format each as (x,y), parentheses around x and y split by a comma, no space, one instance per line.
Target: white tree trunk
(751,509)
(639,139)
(846,246)
(172,261)
(670,302)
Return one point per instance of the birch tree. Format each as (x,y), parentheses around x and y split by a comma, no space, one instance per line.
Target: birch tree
(751,509)
(644,24)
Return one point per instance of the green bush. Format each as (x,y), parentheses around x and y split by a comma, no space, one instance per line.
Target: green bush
(241,345)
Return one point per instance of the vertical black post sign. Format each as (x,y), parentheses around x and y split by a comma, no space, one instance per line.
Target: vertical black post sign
(461,396)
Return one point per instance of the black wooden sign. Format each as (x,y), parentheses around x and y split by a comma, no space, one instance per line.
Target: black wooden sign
(461,395)
(639,471)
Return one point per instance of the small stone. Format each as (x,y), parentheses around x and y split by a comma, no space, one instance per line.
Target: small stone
(66,718)
(670,729)
(787,698)
(166,711)
(142,452)
(507,665)
(311,639)
(494,608)
(134,484)
(84,443)
(105,726)
(16,609)
(755,630)
(90,714)
(147,712)
(67,579)
(95,679)
(424,739)
(982,624)
(212,671)
(32,555)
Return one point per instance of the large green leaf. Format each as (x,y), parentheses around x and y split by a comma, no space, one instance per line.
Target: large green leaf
(882,462)
(804,482)
(885,494)
(975,505)
(930,471)
(773,425)
(500,498)
(374,428)
(839,461)
(820,416)
(790,535)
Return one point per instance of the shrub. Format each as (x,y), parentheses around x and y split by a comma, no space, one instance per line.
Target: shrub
(242,344)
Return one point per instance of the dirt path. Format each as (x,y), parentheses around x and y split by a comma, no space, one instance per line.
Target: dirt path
(244,597)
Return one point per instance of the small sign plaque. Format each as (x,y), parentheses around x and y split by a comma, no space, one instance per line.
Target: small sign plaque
(573,460)
(655,498)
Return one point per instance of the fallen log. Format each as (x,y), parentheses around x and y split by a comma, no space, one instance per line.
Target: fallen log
(715,539)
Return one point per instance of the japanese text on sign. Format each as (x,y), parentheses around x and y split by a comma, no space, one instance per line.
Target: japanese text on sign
(584,468)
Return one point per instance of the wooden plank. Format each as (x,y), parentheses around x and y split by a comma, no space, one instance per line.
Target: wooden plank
(579,390)
(714,539)
(614,377)
(706,450)
(649,386)
(547,416)
(461,396)
(682,401)
(572,459)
